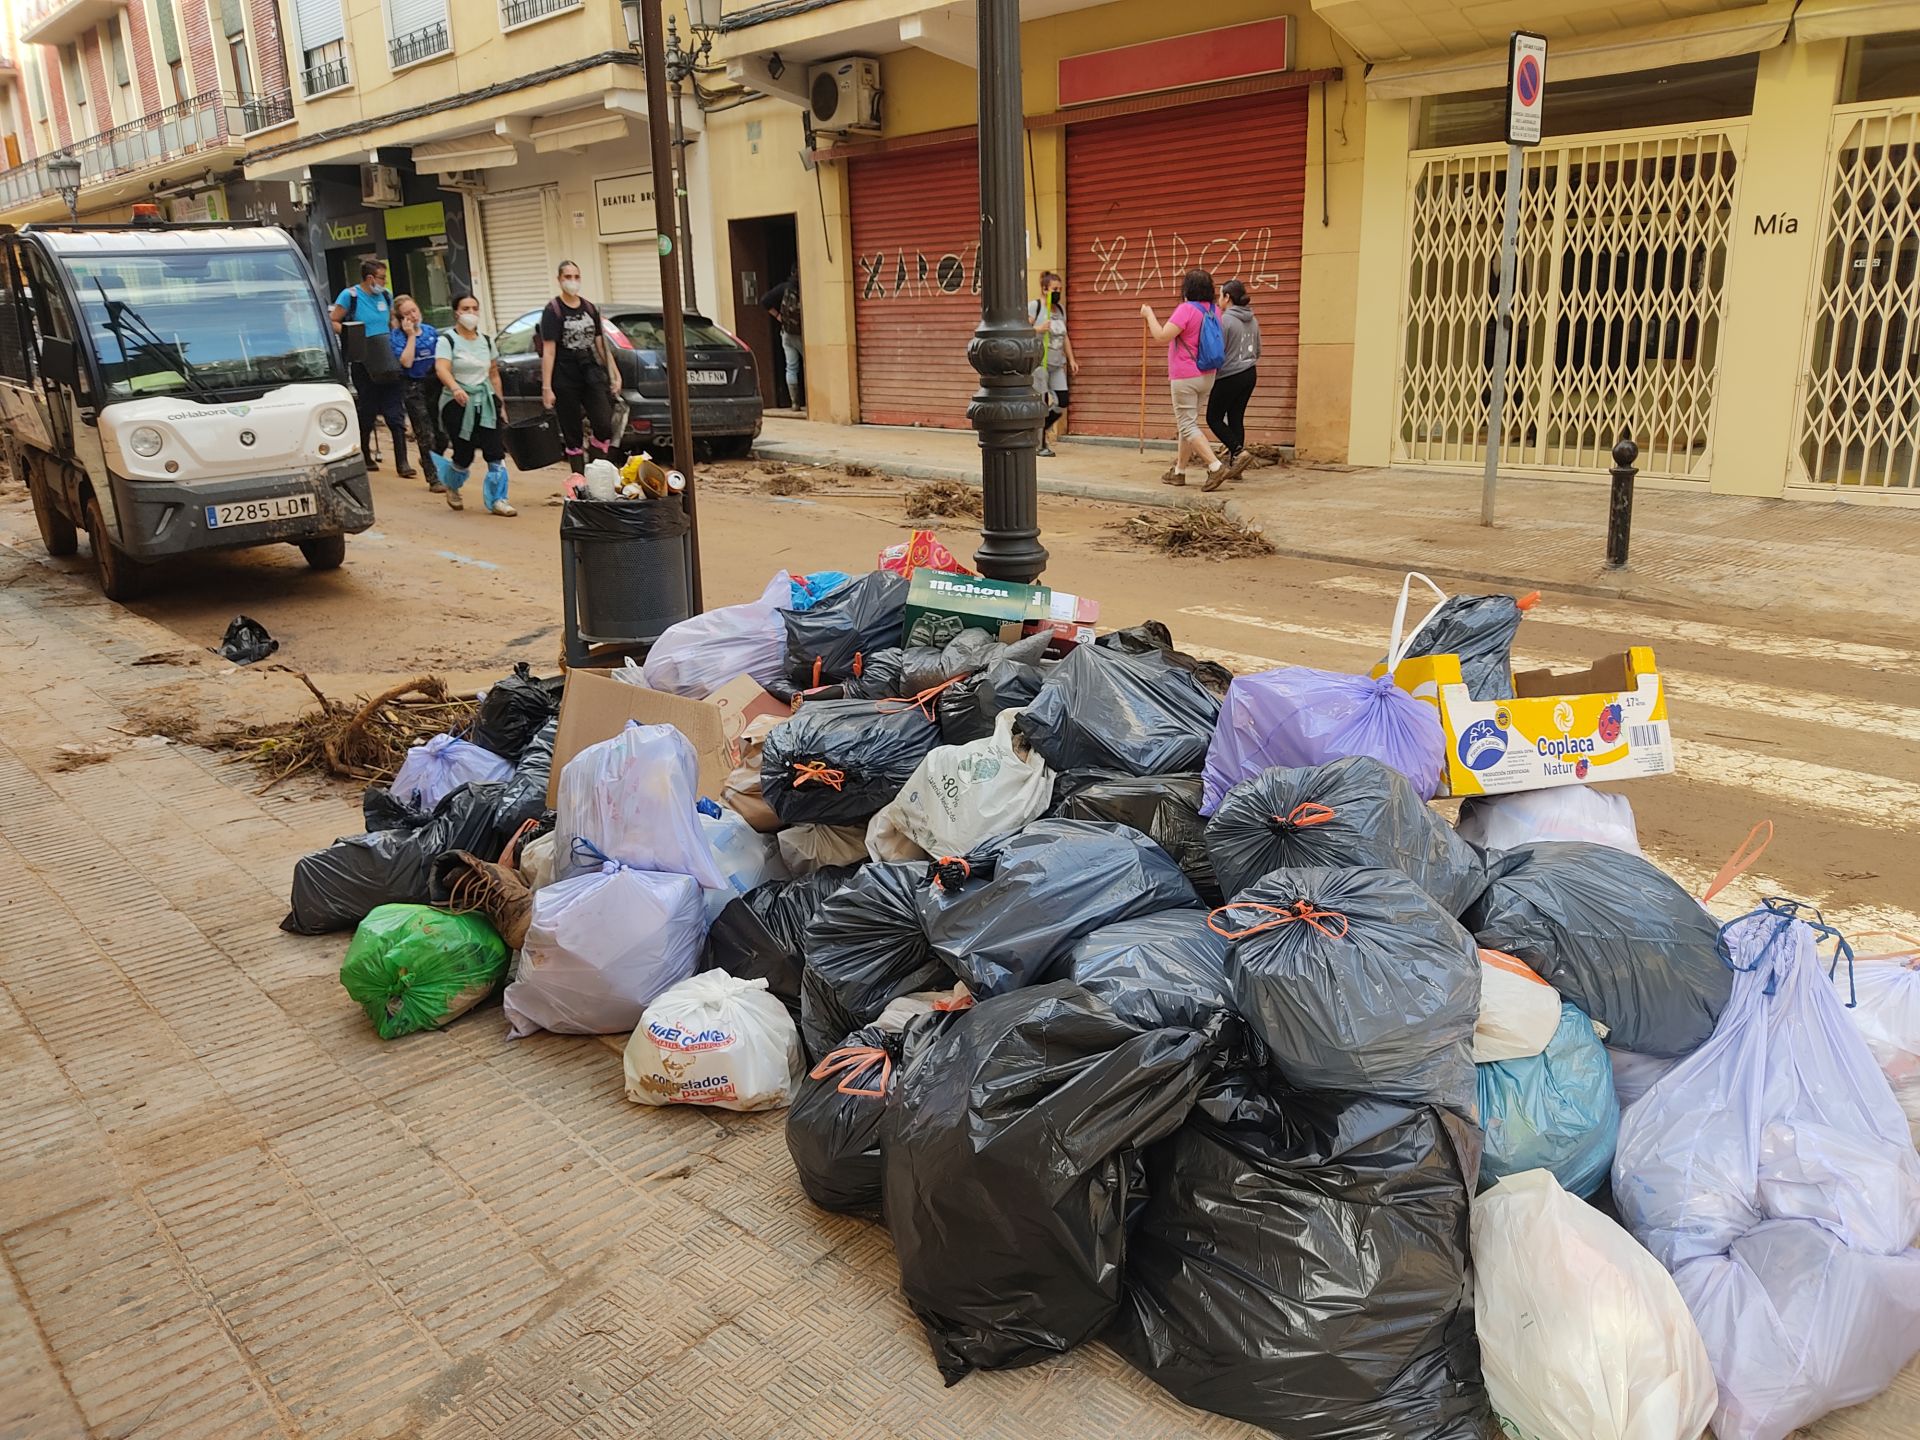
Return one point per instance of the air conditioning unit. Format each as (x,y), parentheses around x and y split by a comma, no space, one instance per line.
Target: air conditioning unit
(463,181)
(844,94)
(380,187)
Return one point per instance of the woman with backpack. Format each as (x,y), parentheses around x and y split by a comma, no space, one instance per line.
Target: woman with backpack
(1195,349)
(469,370)
(578,375)
(1233,385)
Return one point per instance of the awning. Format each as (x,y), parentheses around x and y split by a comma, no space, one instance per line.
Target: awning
(465,152)
(1843,19)
(1689,41)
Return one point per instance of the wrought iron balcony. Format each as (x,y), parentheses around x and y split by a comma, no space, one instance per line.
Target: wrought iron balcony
(322,78)
(263,112)
(422,44)
(519,12)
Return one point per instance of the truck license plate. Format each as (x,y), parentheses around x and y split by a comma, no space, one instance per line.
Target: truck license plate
(707,377)
(258,512)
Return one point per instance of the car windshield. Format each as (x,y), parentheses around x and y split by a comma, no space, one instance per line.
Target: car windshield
(648,332)
(192,321)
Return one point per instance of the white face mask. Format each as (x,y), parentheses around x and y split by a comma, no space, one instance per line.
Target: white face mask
(469,319)
(571,287)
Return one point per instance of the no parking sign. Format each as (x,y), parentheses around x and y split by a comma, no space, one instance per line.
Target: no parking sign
(1526,86)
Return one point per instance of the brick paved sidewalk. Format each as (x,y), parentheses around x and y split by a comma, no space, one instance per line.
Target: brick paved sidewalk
(1842,570)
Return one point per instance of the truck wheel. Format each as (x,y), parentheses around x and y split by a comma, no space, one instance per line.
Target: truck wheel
(119,577)
(56,530)
(326,553)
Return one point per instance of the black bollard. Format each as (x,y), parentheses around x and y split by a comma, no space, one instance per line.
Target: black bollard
(1620,506)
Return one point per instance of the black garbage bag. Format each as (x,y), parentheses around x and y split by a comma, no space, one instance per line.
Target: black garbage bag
(381,809)
(1155,971)
(881,676)
(1357,980)
(866,945)
(838,762)
(512,713)
(523,796)
(1005,914)
(922,667)
(246,641)
(1105,710)
(1165,808)
(1355,811)
(1302,1265)
(336,888)
(968,708)
(658,517)
(1009,1154)
(1480,630)
(833,1124)
(826,645)
(1614,935)
(1150,637)
(762,935)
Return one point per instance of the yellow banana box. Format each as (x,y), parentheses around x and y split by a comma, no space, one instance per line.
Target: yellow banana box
(1607,722)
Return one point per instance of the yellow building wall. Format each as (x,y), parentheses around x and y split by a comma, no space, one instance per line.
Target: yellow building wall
(925,92)
(1376,313)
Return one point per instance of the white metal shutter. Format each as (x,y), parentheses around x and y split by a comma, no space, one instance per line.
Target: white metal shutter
(633,273)
(513,230)
(321,22)
(405,17)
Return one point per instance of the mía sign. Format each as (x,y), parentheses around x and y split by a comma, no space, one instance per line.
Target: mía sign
(1775,224)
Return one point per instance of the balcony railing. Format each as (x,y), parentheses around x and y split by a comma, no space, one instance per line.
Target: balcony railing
(519,12)
(422,44)
(322,78)
(206,122)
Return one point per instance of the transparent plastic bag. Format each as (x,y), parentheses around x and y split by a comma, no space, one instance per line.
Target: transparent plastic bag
(1566,812)
(698,655)
(1552,1111)
(436,768)
(632,798)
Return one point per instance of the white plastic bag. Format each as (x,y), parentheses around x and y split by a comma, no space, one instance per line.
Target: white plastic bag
(1772,1173)
(717,1041)
(1582,1335)
(602,479)
(806,848)
(600,947)
(1566,812)
(537,864)
(697,656)
(436,768)
(632,674)
(961,794)
(1886,992)
(632,799)
(1519,1011)
(745,857)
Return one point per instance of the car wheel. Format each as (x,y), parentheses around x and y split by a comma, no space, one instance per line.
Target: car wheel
(732,447)
(57,532)
(326,553)
(119,577)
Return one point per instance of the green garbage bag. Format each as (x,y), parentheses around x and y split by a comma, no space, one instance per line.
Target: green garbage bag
(411,967)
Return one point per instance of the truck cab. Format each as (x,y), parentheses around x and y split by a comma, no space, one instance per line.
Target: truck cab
(174,388)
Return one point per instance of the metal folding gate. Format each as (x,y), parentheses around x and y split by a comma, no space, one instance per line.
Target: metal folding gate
(1860,391)
(1617,306)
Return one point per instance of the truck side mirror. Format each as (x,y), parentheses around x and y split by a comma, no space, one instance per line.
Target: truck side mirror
(59,360)
(353,339)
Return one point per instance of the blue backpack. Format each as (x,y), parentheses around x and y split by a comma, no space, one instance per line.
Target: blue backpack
(1212,353)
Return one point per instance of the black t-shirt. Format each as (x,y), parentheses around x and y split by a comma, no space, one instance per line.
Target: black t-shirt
(572,332)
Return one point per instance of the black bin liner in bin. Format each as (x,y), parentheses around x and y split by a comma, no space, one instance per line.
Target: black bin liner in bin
(534,443)
(631,558)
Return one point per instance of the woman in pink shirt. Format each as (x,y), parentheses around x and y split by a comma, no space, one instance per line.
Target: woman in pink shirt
(1191,385)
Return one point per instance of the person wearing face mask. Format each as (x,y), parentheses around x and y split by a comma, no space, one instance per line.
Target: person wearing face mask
(415,346)
(1233,384)
(378,388)
(1051,377)
(469,370)
(578,374)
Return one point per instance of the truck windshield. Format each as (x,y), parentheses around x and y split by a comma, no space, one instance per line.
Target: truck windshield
(195,321)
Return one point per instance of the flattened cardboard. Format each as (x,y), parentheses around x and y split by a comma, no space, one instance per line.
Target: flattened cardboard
(597,707)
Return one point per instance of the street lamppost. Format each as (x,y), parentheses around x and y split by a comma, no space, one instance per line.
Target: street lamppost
(1005,410)
(63,171)
(683,64)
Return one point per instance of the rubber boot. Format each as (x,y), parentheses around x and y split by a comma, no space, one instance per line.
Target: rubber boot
(493,493)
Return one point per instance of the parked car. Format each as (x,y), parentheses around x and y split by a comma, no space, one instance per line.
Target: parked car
(722,389)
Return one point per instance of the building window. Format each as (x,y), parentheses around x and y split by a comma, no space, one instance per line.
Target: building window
(76,84)
(1881,67)
(177,69)
(324,68)
(242,66)
(169,32)
(117,46)
(1677,95)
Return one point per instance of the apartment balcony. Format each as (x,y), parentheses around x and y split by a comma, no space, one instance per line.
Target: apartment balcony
(62,22)
(429,42)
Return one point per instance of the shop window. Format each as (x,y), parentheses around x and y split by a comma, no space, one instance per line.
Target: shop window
(1677,95)
(1881,67)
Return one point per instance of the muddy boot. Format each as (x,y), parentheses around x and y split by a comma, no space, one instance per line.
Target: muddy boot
(466,884)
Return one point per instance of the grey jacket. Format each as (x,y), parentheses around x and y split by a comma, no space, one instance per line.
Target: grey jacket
(1242,333)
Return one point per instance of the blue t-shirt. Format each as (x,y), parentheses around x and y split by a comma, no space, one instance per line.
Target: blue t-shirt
(369,310)
(425,347)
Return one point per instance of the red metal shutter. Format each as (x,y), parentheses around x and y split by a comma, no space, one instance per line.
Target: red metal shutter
(916,296)
(1221,186)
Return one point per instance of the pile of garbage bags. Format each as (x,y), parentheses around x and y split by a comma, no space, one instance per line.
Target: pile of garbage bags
(1149,1004)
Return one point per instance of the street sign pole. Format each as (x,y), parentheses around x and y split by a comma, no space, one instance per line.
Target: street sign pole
(1526,93)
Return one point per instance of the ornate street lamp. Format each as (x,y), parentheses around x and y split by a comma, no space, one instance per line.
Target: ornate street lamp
(63,173)
(1006,410)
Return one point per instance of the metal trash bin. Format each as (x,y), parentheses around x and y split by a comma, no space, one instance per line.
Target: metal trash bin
(624,567)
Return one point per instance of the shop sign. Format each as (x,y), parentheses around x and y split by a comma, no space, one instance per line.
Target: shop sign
(412,222)
(204,206)
(353,228)
(623,205)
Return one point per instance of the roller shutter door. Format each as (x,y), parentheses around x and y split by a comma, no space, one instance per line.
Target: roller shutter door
(1221,186)
(916,242)
(633,272)
(513,231)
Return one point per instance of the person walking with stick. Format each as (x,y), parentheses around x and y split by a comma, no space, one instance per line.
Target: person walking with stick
(1234,382)
(1195,349)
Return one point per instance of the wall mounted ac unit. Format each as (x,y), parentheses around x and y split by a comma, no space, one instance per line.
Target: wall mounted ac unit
(844,94)
(380,187)
(463,181)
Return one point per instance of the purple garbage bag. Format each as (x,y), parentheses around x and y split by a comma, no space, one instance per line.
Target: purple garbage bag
(1296,716)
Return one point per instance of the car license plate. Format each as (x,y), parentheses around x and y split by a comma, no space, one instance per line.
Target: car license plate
(258,512)
(707,377)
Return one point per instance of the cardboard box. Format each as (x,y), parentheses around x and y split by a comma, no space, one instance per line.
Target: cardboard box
(939,605)
(1607,722)
(597,707)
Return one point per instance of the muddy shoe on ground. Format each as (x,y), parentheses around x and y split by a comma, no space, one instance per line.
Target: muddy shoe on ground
(1173,477)
(465,884)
